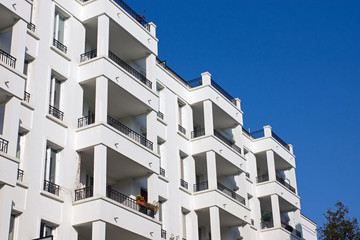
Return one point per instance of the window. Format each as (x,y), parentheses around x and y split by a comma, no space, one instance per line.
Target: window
(55,92)
(144,193)
(20,145)
(12,227)
(46,230)
(59,27)
(50,164)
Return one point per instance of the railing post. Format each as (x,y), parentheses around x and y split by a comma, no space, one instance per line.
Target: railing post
(267,131)
(103,34)
(152,28)
(237,102)
(291,148)
(206,78)
(18,43)
(208,117)
(271,165)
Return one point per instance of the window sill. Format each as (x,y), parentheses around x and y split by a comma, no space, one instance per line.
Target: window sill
(163,178)
(52,196)
(64,55)
(185,190)
(162,121)
(58,121)
(33,34)
(22,184)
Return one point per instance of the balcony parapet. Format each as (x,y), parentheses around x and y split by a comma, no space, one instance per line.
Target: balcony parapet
(7,58)
(4,145)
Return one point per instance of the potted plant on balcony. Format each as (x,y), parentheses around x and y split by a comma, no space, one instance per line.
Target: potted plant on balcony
(154,206)
(266,218)
(140,200)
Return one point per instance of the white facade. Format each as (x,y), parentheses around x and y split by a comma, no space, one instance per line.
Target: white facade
(103,120)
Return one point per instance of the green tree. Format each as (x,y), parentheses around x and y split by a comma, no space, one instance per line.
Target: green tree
(339,226)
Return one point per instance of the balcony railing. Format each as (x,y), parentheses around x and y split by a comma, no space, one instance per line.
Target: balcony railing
(31,26)
(201,186)
(262,178)
(128,202)
(7,59)
(163,64)
(162,172)
(184,184)
(88,55)
(198,133)
(283,182)
(83,193)
(130,133)
(290,229)
(20,175)
(280,140)
(130,70)
(195,82)
(59,46)
(227,141)
(26,97)
(160,115)
(182,129)
(4,145)
(222,91)
(163,234)
(85,121)
(51,187)
(247,174)
(231,193)
(56,113)
(133,14)
(252,222)
(258,134)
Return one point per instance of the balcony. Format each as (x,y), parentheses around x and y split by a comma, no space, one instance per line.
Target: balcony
(85,121)
(284,183)
(260,134)
(20,175)
(7,59)
(83,193)
(198,133)
(56,113)
(171,72)
(182,129)
(201,186)
(59,46)
(4,145)
(130,70)
(51,187)
(88,55)
(291,229)
(227,141)
(231,193)
(184,184)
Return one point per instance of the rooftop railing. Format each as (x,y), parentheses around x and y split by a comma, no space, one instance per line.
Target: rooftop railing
(59,46)
(128,202)
(83,193)
(130,70)
(227,141)
(280,140)
(198,133)
(4,145)
(88,55)
(85,121)
(184,184)
(56,113)
(258,134)
(51,187)
(133,14)
(195,82)
(231,193)
(7,59)
(130,133)
(222,91)
(163,64)
(201,186)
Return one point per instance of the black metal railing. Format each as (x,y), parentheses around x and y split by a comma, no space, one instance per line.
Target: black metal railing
(195,82)
(20,175)
(87,120)
(227,141)
(83,193)
(56,112)
(59,46)
(231,193)
(160,115)
(7,59)
(163,64)
(258,134)
(130,70)
(222,91)
(282,142)
(128,202)
(247,174)
(31,26)
(291,229)
(201,186)
(282,180)
(184,184)
(51,187)
(182,129)
(163,234)
(252,222)
(4,145)
(198,133)
(262,178)
(26,97)
(162,172)
(130,133)
(88,55)
(137,17)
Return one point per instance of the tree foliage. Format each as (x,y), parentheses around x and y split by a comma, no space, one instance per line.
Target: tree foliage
(339,226)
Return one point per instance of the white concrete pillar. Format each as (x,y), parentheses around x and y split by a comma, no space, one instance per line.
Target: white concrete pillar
(291,148)
(242,186)
(271,165)
(188,119)
(208,117)
(237,103)
(211,169)
(101,99)
(151,127)
(192,226)
(11,124)
(297,217)
(206,78)
(237,133)
(292,177)
(150,70)
(98,230)
(103,36)
(18,43)
(100,170)
(275,207)
(215,223)
(190,173)
(267,131)
(5,210)
(152,28)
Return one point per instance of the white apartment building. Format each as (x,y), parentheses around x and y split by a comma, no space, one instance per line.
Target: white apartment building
(90,118)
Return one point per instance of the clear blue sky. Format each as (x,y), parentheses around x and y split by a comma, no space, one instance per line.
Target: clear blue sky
(294,64)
